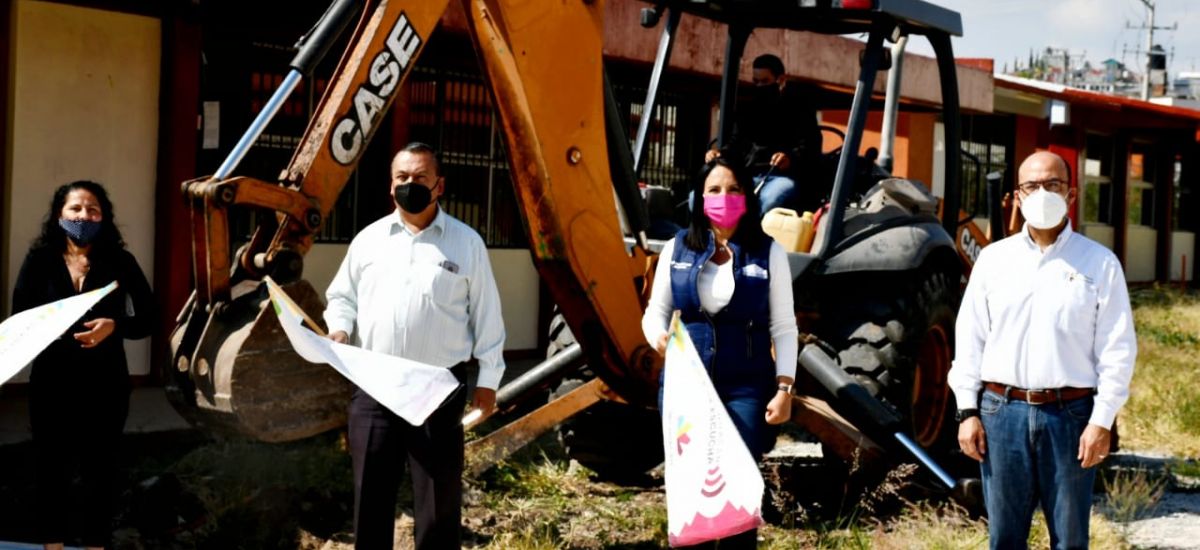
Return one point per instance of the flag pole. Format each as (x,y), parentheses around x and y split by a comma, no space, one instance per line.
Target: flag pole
(273,286)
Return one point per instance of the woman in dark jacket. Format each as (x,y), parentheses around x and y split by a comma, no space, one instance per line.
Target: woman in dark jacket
(79,385)
(733,289)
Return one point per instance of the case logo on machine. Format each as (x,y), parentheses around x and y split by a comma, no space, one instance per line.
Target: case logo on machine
(383,77)
(968,246)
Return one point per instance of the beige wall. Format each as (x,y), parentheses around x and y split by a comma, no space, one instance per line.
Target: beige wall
(1140,250)
(1101,233)
(516,278)
(321,264)
(84,106)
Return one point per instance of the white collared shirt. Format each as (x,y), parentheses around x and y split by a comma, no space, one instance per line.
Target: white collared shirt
(1041,320)
(430,296)
(715,286)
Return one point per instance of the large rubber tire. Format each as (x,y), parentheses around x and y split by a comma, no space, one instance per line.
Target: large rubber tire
(620,442)
(897,341)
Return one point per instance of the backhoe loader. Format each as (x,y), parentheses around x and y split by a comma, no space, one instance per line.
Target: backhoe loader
(878,292)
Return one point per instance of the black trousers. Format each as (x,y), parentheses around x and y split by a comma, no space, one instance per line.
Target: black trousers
(76,430)
(379,442)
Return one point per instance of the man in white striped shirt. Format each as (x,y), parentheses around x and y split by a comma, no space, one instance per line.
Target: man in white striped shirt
(416,284)
(1045,350)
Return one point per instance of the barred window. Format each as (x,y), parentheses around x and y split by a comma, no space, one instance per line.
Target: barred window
(1097,180)
(1142,177)
(986,144)
(453,112)
(669,147)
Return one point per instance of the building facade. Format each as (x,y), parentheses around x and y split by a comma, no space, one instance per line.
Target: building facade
(142,96)
(1134,167)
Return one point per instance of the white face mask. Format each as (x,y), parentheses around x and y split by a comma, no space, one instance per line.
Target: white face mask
(1043,209)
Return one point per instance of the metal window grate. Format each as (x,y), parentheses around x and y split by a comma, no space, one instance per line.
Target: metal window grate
(987,138)
(1096,179)
(453,113)
(662,153)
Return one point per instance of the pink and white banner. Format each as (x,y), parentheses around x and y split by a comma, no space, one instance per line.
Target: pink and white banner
(410,389)
(714,487)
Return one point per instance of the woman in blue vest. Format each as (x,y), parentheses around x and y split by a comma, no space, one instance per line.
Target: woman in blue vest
(733,288)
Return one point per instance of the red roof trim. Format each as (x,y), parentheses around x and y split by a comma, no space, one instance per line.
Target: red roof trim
(1094,99)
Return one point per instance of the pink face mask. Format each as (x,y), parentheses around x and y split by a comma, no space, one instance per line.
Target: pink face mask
(724,211)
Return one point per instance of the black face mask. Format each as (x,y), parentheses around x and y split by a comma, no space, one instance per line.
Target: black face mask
(80,231)
(414,198)
(766,93)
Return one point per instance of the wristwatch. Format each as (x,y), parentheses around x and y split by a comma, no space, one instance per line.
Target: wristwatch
(786,388)
(963,414)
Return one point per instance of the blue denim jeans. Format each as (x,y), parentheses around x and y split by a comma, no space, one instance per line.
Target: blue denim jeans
(1031,461)
(776,192)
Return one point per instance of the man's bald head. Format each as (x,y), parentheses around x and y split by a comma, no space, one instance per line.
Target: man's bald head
(1042,166)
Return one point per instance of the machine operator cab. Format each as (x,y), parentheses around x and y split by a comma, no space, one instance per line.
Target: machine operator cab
(852,195)
(878,285)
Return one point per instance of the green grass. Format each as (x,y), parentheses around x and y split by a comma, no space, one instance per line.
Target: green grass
(1163,414)
(1186,468)
(538,499)
(1132,494)
(1163,411)
(298,495)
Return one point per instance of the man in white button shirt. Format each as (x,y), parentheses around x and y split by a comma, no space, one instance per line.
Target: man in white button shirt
(416,284)
(1045,352)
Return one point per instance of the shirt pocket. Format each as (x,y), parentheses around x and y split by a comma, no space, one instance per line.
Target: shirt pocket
(1079,301)
(444,288)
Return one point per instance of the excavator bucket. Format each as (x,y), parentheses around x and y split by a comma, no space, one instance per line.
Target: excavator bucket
(233,364)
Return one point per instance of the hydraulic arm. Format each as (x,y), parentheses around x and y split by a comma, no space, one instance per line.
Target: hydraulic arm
(543,61)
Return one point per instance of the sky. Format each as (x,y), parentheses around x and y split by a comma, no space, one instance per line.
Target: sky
(1005,30)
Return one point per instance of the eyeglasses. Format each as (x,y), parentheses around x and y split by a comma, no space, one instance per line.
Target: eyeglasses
(1053,185)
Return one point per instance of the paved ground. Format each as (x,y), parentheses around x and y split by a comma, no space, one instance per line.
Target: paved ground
(1174,524)
(149,411)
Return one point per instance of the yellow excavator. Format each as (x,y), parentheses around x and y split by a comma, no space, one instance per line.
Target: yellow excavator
(878,291)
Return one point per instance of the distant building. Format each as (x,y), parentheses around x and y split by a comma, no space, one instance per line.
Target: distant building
(1134,164)
(1060,66)
(1186,86)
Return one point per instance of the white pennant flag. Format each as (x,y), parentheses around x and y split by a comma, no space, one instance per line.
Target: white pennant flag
(408,388)
(24,335)
(714,487)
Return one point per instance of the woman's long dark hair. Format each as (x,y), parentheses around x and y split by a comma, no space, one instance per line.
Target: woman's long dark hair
(52,237)
(749,231)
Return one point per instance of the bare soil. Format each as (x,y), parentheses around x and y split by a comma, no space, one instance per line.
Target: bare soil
(184,490)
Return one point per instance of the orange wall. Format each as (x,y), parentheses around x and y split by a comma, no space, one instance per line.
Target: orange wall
(914,141)
(920,147)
